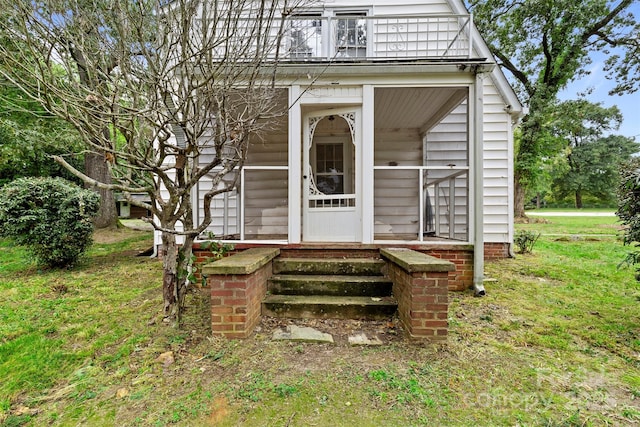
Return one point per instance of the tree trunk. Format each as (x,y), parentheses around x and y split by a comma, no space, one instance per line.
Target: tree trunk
(169,275)
(175,264)
(519,196)
(578,199)
(95,166)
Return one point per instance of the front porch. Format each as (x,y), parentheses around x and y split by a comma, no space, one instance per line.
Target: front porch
(358,164)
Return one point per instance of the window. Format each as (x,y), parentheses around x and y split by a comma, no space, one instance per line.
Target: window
(305,36)
(330,168)
(351,35)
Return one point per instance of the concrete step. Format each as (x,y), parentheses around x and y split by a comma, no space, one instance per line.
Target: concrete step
(354,266)
(335,285)
(325,307)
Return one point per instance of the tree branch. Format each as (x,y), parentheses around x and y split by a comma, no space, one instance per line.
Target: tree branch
(92,182)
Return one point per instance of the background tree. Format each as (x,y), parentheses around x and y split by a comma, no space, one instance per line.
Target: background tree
(29,136)
(29,133)
(592,160)
(178,86)
(91,70)
(542,46)
(624,61)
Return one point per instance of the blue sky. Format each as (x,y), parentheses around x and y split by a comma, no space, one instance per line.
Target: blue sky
(628,104)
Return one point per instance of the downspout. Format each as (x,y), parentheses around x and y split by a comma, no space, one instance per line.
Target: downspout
(478,172)
(155,251)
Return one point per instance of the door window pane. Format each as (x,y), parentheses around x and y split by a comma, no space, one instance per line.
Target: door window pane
(330,168)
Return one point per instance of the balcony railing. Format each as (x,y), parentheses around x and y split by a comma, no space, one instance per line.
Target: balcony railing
(440,210)
(309,38)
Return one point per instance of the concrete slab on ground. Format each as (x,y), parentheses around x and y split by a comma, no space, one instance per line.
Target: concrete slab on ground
(363,339)
(303,334)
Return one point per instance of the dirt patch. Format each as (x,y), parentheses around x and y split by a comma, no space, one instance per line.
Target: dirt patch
(388,331)
(531,220)
(619,227)
(114,235)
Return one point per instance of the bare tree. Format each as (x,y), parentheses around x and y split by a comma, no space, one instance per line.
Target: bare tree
(165,92)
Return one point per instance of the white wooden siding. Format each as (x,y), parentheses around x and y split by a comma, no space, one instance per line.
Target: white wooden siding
(447,142)
(267,191)
(266,204)
(385,7)
(497,203)
(270,151)
(333,94)
(225,215)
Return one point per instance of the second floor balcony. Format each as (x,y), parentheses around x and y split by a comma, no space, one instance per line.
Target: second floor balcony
(304,38)
(361,37)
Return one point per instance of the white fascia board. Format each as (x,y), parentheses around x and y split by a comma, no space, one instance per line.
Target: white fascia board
(312,71)
(498,77)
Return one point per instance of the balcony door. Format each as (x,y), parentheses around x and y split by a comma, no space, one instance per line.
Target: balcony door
(331,187)
(341,35)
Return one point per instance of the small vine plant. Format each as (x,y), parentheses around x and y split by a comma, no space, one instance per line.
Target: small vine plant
(525,240)
(217,250)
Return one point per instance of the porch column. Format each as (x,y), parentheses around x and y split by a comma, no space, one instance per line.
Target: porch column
(478,183)
(367,155)
(295,166)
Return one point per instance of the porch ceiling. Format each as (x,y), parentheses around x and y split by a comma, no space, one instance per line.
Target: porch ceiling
(415,108)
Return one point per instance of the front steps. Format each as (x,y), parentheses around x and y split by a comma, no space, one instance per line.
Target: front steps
(329,288)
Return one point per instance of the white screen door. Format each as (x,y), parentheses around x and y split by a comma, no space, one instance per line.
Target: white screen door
(331,187)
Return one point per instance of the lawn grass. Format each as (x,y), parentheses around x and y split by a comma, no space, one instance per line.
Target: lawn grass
(574,225)
(542,211)
(556,342)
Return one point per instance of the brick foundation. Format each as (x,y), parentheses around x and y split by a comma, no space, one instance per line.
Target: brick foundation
(236,298)
(236,301)
(422,302)
(462,277)
(493,251)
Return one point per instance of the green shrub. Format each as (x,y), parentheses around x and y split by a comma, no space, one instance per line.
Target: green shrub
(51,217)
(525,241)
(629,210)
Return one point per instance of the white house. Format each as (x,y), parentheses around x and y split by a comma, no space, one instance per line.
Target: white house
(399,134)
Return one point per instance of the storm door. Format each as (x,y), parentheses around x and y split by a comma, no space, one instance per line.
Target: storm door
(331,188)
